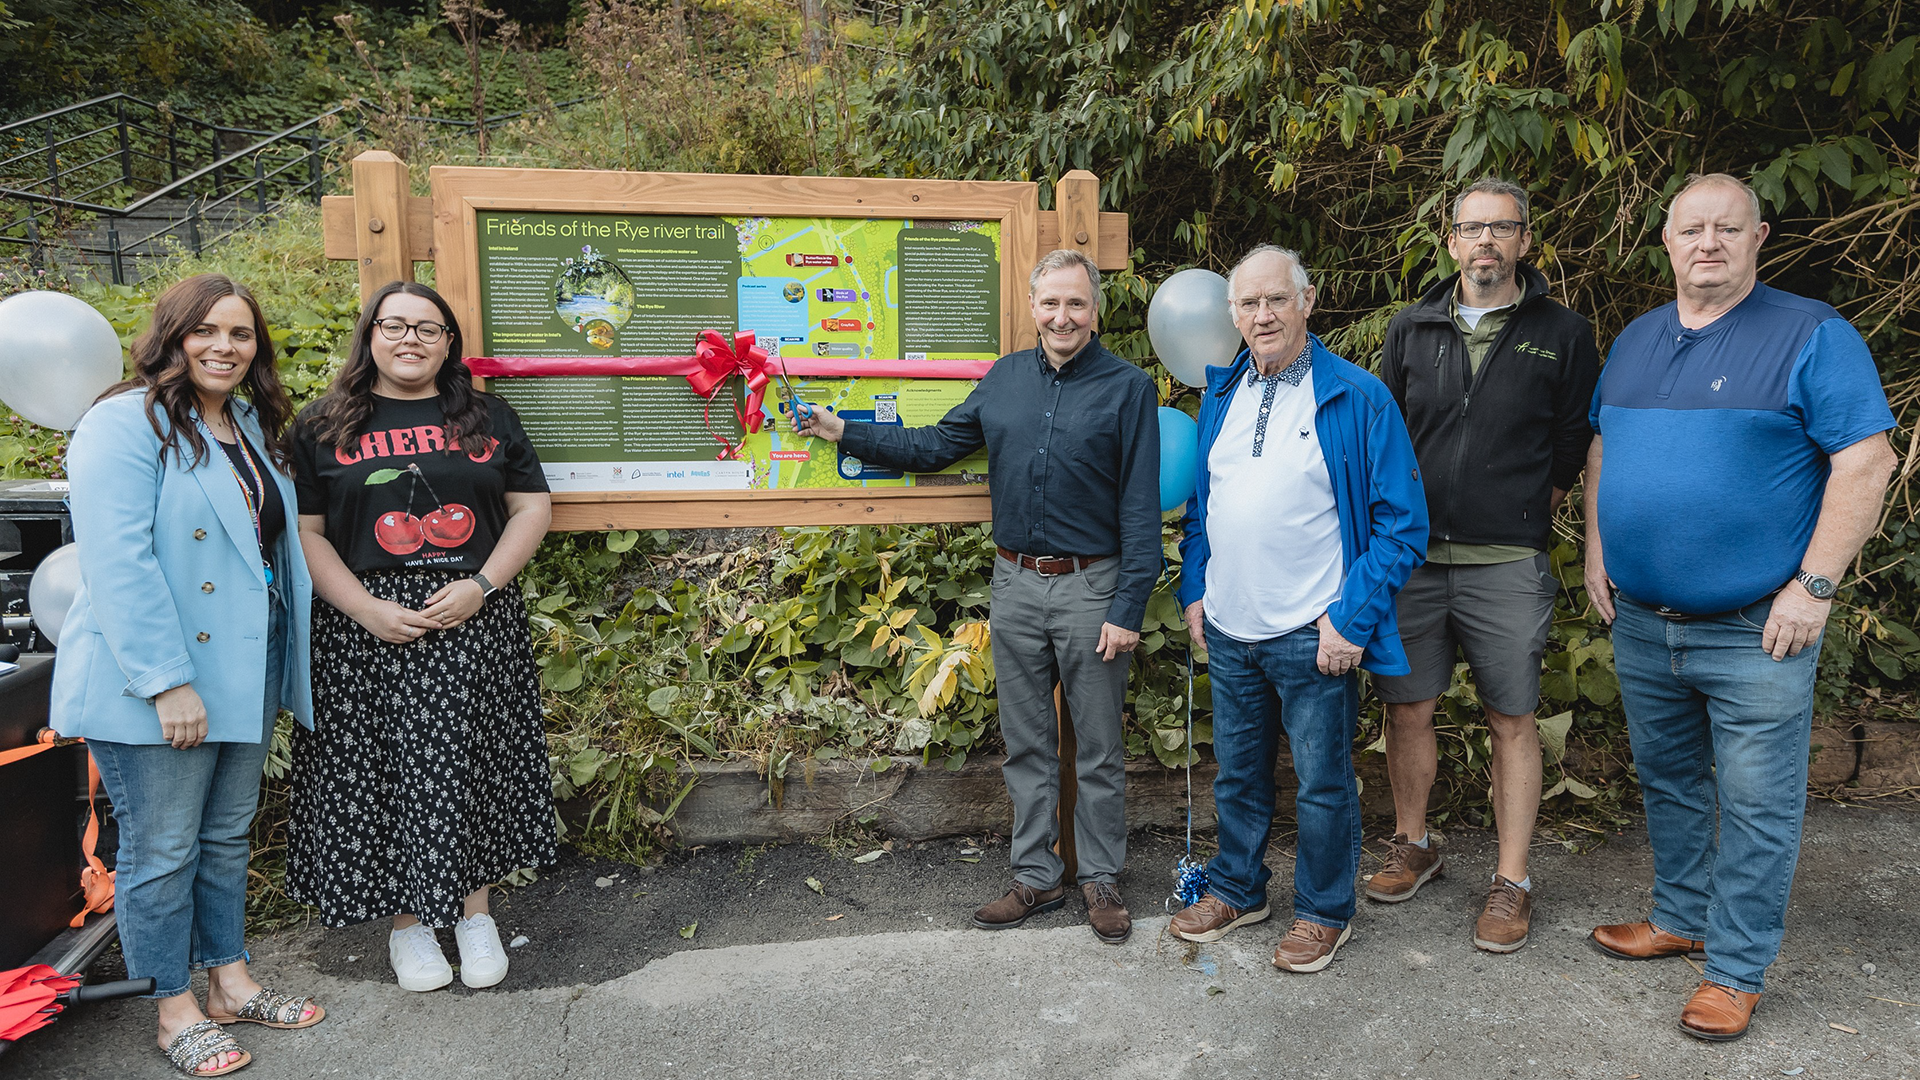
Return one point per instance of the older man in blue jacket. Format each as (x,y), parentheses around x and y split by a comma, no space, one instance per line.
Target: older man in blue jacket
(1308,517)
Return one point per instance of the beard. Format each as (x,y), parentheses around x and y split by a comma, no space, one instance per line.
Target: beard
(1489,277)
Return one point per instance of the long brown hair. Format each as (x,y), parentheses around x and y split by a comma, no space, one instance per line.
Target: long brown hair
(161,368)
(340,416)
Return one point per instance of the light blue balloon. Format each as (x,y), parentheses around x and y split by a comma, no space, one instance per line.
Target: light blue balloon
(1179,458)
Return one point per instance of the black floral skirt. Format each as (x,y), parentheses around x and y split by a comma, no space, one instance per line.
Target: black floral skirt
(425,776)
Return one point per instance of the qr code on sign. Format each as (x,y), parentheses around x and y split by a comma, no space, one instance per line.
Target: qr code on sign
(886,412)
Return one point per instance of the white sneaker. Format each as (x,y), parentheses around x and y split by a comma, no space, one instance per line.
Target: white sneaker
(482,961)
(417,959)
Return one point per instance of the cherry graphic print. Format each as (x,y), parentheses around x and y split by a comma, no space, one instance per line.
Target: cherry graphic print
(401,533)
(448,527)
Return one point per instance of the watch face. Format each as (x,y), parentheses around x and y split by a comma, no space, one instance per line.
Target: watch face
(1819,587)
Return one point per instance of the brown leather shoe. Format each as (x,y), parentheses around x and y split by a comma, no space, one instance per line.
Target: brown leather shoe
(1718,1013)
(1209,918)
(1021,901)
(1503,924)
(1106,912)
(1308,947)
(1408,867)
(1643,941)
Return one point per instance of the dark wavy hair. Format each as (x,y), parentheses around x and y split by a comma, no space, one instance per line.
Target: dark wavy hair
(160,368)
(340,416)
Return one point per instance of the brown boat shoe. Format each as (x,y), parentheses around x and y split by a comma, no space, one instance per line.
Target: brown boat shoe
(1718,1013)
(1020,901)
(1643,941)
(1106,912)
(1309,947)
(1505,921)
(1408,867)
(1210,918)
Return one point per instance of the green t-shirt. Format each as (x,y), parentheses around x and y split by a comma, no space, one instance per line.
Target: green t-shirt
(1479,340)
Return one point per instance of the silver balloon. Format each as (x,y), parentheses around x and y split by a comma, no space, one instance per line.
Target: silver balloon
(55,583)
(1191,326)
(56,355)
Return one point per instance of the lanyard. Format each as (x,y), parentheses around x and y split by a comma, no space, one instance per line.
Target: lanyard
(246,493)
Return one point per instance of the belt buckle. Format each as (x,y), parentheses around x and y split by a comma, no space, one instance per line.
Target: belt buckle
(1038,560)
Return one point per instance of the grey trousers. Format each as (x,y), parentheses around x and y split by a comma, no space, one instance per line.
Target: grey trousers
(1044,633)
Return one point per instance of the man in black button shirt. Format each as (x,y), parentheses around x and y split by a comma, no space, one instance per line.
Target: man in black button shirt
(1073,465)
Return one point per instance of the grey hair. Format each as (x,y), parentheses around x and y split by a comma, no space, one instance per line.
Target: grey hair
(1059,259)
(1301,283)
(1494,185)
(1695,180)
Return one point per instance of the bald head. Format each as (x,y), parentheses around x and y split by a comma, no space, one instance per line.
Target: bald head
(1704,182)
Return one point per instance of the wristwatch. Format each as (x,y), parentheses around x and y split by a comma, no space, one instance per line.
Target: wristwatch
(488,588)
(1820,588)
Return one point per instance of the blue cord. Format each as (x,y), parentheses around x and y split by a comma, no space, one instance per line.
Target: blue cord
(1189,875)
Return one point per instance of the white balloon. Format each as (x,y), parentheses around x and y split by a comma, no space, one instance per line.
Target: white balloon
(56,581)
(56,355)
(1190,325)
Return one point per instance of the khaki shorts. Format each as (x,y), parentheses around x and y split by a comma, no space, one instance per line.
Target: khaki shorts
(1497,616)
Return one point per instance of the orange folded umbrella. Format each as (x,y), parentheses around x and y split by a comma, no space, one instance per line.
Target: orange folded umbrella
(30,999)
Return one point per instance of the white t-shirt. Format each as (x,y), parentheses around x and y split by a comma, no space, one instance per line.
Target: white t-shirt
(1473,315)
(1273,528)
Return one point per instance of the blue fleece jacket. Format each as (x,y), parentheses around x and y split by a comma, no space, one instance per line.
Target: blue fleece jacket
(1376,486)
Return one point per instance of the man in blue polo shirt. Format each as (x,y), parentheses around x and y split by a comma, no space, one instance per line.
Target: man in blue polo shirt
(1740,461)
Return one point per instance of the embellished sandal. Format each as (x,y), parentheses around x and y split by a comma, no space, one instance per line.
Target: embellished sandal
(274,1010)
(201,1042)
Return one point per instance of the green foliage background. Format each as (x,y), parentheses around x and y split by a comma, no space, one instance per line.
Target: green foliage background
(1338,128)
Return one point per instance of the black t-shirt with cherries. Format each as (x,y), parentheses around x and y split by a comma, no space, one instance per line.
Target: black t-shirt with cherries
(400,498)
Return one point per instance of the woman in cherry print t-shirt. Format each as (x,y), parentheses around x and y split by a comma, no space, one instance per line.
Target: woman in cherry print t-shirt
(425,777)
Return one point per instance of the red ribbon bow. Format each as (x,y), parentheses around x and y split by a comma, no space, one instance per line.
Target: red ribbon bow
(720,360)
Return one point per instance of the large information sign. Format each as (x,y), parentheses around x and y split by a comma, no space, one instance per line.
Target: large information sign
(580,296)
(845,296)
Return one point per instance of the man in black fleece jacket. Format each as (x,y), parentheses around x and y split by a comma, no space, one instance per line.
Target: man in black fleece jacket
(1495,378)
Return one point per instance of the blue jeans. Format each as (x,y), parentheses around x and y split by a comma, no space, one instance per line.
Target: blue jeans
(180,881)
(1718,725)
(1259,689)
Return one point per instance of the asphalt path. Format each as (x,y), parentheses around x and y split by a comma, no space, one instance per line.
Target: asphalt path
(876,973)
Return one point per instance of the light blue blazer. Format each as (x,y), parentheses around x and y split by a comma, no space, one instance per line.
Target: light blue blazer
(171,587)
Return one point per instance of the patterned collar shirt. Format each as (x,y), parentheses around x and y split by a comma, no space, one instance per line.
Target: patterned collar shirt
(1272,523)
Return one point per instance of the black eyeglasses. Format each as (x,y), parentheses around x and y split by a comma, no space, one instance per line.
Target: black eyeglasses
(1502,230)
(427,332)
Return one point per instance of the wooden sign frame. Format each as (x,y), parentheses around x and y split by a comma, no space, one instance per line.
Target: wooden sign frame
(387,229)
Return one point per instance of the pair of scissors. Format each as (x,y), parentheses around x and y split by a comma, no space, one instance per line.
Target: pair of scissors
(800,408)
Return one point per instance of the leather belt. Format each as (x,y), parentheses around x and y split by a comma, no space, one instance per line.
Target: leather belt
(1050,565)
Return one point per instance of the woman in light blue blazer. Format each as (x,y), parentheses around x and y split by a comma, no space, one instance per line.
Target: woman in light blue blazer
(186,639)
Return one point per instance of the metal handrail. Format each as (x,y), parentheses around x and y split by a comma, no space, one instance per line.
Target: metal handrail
(246,185)
(76,107)
(172,188)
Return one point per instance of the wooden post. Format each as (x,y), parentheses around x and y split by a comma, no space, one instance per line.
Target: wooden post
(1076,203)
(380,193)
(1076,199)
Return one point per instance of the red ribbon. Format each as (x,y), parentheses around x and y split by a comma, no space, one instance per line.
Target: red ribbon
(497,367)
(714,361)
(720,361)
